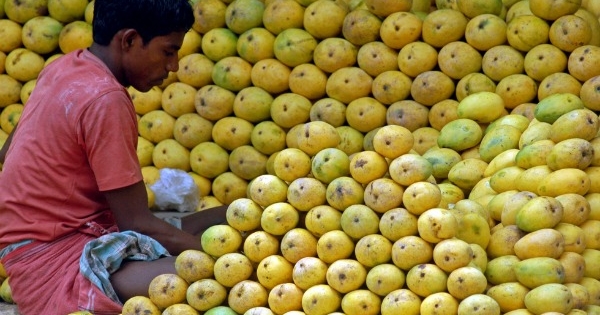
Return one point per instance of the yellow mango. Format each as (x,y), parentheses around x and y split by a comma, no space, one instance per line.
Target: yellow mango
(474,229)
(541,243)
(502,241)
(593,173)
(575,266)
(510,296)
(591,230)
(596,145)
(505,179)
(502,269)
(576,208)
(570,153)
(518,121)
(551,297)
(574,238)
(504,159)
(593,287)
(530,178)
(512,206)
(483,107)
(578,123)
(481,189)
(591,267)
(537,271)
(534,154)
(542,212)
(535,132)
(564,181)
(496,204)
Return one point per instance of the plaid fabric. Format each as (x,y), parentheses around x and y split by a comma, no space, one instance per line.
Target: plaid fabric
(104,255)
(11,247)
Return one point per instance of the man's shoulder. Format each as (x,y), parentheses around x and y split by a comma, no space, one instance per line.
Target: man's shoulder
(79,73)
(78,66)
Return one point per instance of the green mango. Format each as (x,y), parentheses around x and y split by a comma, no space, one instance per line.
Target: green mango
(550,108)
(534,272)
(498,140)
(6,292)
(460,134)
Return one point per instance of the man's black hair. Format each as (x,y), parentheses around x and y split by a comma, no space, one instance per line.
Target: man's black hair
(150,18)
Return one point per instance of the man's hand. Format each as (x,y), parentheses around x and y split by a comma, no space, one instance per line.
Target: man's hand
(130,208)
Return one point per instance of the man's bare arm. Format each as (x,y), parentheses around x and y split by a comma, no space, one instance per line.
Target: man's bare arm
(4,148)
(130,207)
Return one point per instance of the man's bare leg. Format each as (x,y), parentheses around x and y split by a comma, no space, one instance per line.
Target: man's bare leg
(134,277)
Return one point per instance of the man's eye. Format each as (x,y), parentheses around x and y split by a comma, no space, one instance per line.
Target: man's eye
(169,53)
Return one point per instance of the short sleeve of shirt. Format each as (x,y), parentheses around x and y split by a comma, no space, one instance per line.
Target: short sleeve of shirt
(108,133)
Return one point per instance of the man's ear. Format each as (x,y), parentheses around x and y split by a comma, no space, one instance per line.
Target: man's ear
(129,38)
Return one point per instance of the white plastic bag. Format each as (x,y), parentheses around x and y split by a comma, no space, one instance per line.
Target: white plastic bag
(175,190)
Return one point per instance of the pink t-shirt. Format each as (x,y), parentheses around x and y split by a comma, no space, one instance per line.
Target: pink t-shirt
(76,137)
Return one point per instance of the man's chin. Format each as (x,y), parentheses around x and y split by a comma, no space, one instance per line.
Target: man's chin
(145,87)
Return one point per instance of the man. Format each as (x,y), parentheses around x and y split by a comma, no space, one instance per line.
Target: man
(75,232)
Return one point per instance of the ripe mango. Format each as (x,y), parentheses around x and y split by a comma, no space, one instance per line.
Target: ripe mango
(467,173)
(498,140)
(537,271)
(501,161)
(496,204)
(575,266)
(591,230)
(564,181)
(481,189)
(518,121)
(534,154)
(551,297)
(510,295)
(502,241)
(576,208)
(502,269)
(482,107)
(474,229)
(593,173)
(578,123)
(540,243)
(512,206)
(573,235)
(530,178)
(591,257)
(570,153)
(536,131)
(541,212)
(505,179)
(552,107)
(593,287)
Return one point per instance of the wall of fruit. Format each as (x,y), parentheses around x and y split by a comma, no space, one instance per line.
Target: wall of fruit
(376,156)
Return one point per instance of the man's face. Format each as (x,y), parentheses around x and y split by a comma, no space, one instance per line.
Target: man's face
(148,65)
